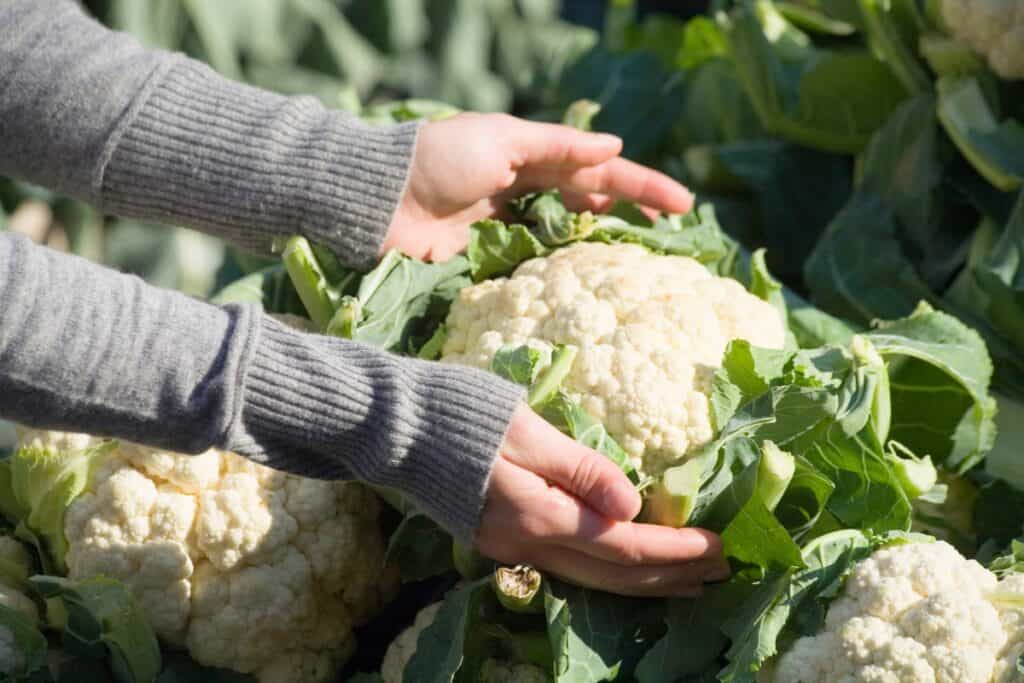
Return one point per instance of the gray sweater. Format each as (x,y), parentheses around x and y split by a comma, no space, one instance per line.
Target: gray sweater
(148,134)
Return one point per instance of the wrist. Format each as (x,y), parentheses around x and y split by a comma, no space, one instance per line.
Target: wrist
(329,408)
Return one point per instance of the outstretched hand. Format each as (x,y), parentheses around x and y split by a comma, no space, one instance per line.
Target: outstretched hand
(466,168)
(567,510)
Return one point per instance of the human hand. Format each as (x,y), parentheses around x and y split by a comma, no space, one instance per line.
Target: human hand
(466,168)
(578,526)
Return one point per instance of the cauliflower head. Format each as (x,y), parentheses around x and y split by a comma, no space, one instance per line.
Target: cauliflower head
(993,29)
(650,330)
(15,565)
(913,613)
(250,569)
(403,647)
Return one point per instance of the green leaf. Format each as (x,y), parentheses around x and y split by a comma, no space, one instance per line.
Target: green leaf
(755,627)
(805,500)
(400,303)
(443,647)
(694,641)
(940,378)
(105,621)
(36,488)
(594,636)
(995,148)
(27,639)
(893,29)
(496,248)
(831,100)
(744,512)
(640,98)
(522,364)
(419,548)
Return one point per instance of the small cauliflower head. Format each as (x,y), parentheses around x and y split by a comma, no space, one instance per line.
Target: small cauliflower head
(650,330)
(15,565)
(403,647)
(910,613)
(250,569)
(993,29)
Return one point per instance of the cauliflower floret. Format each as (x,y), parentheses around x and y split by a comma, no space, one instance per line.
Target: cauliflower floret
(251,569)
(650,330)
(403,647)
(12,659)
(993,29)
(910,613)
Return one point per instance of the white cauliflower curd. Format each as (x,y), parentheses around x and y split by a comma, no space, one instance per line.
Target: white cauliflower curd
(251,569)
(914,613)
(15,565)
(650,330)
(993,29)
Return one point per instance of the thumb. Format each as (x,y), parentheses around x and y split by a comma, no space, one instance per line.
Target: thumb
(535,445)
(550,144)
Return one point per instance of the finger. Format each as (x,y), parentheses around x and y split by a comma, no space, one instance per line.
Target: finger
(680,580)
(532,443)
(623,179)
(572,524)
(587,201)
(550,144)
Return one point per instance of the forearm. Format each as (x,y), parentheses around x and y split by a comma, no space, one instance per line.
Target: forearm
(83,348)
(152,135)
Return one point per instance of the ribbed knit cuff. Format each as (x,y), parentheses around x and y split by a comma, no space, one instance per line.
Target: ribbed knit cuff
(329,408)
(206,152)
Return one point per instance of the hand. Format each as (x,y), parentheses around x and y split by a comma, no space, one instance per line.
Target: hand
(465,169)
(578,526)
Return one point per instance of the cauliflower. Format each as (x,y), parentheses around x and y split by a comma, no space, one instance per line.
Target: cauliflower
(650,330)
(15,565)
(914,613)
(993,29)
(403,647)
(250,569)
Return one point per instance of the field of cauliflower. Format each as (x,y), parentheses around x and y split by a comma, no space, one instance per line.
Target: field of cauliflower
(823,363)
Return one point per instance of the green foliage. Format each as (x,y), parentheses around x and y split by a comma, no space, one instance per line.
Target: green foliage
(37,486)
(105,623)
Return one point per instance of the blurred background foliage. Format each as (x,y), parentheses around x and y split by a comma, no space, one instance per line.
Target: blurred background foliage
(487,55)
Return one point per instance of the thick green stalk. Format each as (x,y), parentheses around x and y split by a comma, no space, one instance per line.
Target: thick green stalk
(551,378)
(774,473)
(519,588)
(309,280)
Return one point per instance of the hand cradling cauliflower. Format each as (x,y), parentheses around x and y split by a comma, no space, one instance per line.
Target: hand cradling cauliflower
(914,613)
(650,331)
(249,568)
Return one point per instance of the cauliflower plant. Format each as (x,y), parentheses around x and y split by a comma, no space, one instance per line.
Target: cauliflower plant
(403,647)
(914,613)
(650,330)
(249,568)
(993,29)
(15,565)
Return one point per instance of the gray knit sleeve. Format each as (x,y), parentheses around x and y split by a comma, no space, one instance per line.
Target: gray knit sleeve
(153,135)
(83,348)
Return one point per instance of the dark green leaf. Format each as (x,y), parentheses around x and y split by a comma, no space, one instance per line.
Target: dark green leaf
(419,548)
